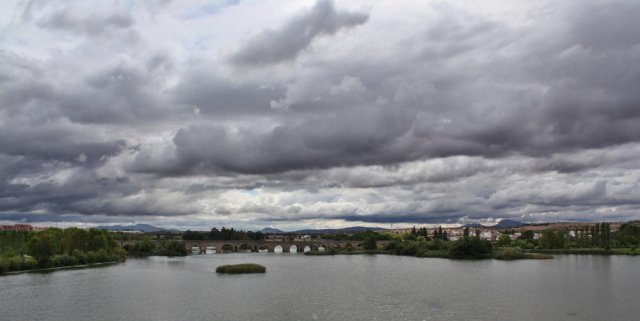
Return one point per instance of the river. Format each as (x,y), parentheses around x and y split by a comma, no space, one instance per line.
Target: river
(359,287)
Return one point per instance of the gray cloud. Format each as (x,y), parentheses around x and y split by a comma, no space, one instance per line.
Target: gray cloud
(91,25)
(441,115)
(285,43)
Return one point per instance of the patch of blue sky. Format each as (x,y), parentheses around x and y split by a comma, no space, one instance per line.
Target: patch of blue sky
(213,7)
(252,192)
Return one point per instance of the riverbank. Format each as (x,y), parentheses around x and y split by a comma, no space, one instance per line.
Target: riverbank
(505,254)
(53,269)
(588,251)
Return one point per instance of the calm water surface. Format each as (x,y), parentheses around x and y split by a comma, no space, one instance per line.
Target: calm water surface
(298,287)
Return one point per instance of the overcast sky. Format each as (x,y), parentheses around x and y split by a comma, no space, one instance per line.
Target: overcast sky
(291,114)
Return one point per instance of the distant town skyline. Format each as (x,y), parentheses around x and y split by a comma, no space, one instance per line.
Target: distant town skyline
(319,113)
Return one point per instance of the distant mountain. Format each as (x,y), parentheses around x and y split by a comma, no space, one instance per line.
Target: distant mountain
(508,224)
(145,228)
(473,225)
(269,230)
(353,229)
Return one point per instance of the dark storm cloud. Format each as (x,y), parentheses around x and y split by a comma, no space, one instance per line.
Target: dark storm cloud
(544,97)
(443,114)
(273,46)
(220,97)
(56,143)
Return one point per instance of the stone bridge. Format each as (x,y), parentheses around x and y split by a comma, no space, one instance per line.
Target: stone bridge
(270,246)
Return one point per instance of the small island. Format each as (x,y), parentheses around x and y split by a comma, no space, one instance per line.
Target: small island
(241,268)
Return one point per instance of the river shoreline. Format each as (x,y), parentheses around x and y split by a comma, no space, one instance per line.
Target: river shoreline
(53,269)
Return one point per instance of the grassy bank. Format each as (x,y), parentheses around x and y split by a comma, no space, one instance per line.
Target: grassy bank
(443,251)
(515,253)
(241,268)
(346,252)
(72,267)
(589,251)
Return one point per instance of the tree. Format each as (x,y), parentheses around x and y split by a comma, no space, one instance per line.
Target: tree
(526,235)
(470,248)
(42,247)
(503,240)
(370,244)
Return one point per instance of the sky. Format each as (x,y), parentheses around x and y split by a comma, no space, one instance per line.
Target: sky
(315,114)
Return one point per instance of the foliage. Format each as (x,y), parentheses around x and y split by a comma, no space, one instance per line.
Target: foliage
(22,250)
(370,244)
(509,253)
(504,240)
(627,235)
(171,248)
(241,268)
(526,235)
(470,248)
(358,236)
(224,234)
(146,247)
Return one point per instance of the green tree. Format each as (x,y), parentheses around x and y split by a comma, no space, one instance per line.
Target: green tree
(526,235)
(42,247)
(504,240)
(370,244)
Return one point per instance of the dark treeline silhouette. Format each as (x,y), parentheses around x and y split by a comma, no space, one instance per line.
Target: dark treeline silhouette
(223,234)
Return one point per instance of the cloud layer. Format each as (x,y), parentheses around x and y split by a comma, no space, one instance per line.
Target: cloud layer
(319,113)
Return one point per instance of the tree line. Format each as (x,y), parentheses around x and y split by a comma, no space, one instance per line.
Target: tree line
(223,234)
(21,250)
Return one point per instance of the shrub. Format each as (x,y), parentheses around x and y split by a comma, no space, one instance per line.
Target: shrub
(29,262)
(172,248)
(80,256)
(470,248)
(63,260)
(91,257)
(511,253)
(15,263)
(4,265)
(390,246)
(411,248)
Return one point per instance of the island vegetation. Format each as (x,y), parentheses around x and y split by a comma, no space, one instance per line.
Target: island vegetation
(241,268)
(55,248)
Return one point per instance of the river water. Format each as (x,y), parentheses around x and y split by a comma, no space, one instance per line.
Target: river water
(298,287)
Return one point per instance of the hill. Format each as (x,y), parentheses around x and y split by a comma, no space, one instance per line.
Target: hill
(145,228)
(508,224)
(269,230)
(353,229)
